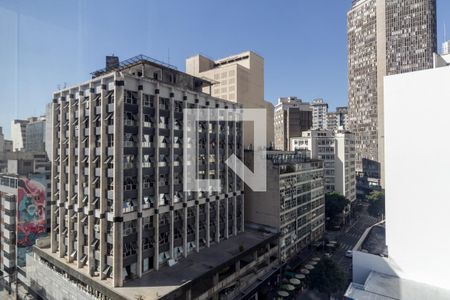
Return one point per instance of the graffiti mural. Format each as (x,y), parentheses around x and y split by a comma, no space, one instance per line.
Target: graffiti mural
(30,209)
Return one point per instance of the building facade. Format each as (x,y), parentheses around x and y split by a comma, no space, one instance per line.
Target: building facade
(410,227)
(319,112)
(292,116)
(238,78)
(18,134)
(294,202)
(338,119)
(35,133)
(377,33)
(337,150)
(118,206)
(23,217)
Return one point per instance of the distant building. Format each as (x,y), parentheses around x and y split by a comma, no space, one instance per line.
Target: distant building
(337,150)
(35,135)
(338,119)
(18,134)
(377,33)
(293,203)
(291,118)
(320,111)
(2,141)
(238,78)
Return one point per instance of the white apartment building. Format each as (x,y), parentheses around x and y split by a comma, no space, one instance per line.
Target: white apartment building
(18,134)
(337,150)
(320,113)
(237,78)
(416,265)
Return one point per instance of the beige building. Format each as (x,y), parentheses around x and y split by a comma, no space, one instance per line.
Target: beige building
(294,202)
(237,78)
(337,150)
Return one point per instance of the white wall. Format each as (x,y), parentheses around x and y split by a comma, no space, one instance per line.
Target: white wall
(417,149)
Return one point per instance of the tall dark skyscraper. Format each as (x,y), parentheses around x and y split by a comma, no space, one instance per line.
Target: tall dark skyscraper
(385,37)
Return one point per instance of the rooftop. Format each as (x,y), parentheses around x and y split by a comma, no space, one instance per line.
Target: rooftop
(375,241)
(194,268)
(384,287)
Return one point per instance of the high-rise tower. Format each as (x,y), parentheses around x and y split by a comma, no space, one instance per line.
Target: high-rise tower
(385,37)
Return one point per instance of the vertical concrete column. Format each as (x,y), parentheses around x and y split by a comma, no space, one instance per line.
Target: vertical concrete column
(217,204)
(91,178)
(208,220)
(226,151)
(185,206)
(54,173)
(118,181)
(241,190)
(197,228)
(196,193)
(185,216)
(71,177)
(140,195)
(62,177)
(188,295)
(171,188)
(81,180)
(156,217)
(103,177)
(215,283)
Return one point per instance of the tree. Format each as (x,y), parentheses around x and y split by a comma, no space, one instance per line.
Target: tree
(334,206)
(376,204)
(327,277)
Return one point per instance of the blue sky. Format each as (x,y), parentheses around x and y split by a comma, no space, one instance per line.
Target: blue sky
(49,43)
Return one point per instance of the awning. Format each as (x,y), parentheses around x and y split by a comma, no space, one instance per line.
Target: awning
(288,287)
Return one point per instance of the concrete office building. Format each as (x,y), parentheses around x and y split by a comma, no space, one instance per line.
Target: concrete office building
(238,78)
(118,207)
(18,134)
(294,202)
(377,35)
(319,112)
(292,116)
(337,150)
(35,133)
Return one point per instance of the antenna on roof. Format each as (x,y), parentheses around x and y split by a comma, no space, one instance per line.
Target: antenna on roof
(168,56)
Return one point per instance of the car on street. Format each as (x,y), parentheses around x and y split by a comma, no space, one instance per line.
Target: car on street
(349,253)
(327,255)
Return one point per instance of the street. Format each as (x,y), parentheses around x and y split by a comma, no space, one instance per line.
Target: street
(348,237)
